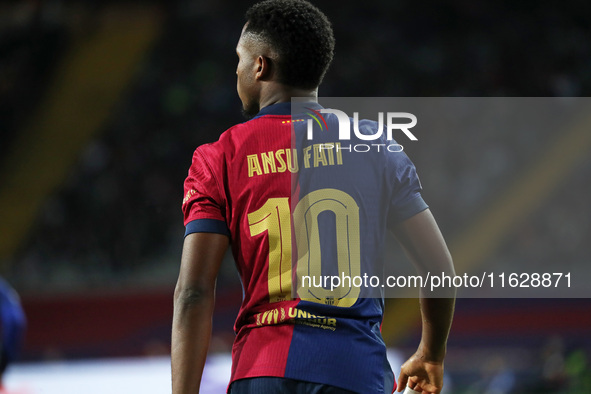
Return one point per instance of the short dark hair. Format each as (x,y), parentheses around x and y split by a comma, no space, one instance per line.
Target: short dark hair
(302,36)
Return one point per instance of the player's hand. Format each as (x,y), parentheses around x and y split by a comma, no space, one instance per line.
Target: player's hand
(421,375)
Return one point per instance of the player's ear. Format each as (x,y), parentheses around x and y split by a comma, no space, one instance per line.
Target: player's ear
(264,68)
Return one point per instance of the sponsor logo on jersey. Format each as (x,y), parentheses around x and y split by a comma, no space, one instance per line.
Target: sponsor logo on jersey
(294,315)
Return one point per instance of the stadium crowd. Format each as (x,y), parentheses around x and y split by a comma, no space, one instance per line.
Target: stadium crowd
(118,215)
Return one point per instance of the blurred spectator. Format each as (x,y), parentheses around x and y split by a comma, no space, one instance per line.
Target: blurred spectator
(12,326)
(578,371)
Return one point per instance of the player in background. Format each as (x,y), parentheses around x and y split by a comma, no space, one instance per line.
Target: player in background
(239,192)
(12,327)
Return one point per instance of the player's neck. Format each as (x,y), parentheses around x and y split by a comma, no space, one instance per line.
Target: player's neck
(284,94)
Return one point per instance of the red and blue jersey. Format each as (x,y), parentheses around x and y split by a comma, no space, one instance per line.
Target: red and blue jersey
(287,205)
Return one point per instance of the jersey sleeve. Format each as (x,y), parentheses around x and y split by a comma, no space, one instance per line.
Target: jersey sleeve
(204,205)
(406,200)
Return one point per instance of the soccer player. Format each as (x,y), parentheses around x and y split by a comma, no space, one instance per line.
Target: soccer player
(12,327)
(256,189)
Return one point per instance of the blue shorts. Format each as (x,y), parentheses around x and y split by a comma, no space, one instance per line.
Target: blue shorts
(273,385)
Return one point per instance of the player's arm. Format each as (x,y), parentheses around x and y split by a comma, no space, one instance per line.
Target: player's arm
(193,308)
(424,245)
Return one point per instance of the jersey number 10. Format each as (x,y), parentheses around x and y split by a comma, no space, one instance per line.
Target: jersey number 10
(275,218)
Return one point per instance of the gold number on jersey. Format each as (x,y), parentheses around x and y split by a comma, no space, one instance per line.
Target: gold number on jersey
(346,212)
(274,217)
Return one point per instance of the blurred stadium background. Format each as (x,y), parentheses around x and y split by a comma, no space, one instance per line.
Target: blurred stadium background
(103,103)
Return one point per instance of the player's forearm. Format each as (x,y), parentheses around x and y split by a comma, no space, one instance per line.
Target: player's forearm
(437,315)
(437,310)
(424,245)
(191,332)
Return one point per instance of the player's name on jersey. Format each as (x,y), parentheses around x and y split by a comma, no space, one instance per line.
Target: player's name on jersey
(294,315)
(313,156)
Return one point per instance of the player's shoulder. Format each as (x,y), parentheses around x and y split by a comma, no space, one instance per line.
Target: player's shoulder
(233,139)
(224,148)
(216,147)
